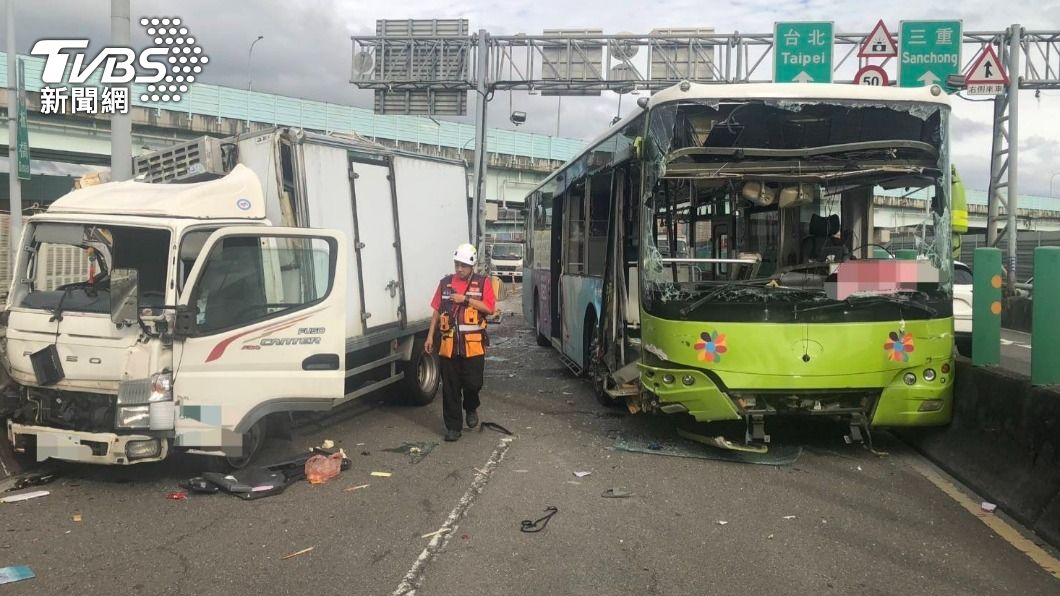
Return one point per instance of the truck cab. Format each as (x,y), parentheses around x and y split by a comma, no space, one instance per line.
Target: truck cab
(148,318)
(506,260)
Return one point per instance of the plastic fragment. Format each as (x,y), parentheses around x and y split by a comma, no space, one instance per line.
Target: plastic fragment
(582,474)
(24,496)
(177,495)
(353,488)
(722,522)
(988,507)
(435,533)
(381,474)
(789,517)
(9,575)
(76,518)
(296,554)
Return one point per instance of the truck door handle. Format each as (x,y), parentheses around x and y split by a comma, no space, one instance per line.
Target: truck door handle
(321,362)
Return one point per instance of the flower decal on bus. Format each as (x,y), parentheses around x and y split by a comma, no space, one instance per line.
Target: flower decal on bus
(898,346)
(711,346)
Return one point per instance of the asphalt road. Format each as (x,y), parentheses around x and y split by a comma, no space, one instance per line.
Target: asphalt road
(1016,351)
(839,520)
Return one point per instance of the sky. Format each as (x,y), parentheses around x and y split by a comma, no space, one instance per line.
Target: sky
(306,51)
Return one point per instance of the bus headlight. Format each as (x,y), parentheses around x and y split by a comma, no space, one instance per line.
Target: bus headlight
(929,374)
(909,378)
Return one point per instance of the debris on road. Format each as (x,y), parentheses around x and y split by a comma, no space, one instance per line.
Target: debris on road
(778,455)
(493,426)
(616,493)
(76,518)
(177,495)
(533,526)
(199,484)
(436,532)
(272,479)
(582,474)
(721,522)
(353,488)
(327,444)
(24,496)
(789,517)
(29,479)
(321,468)
(415,451)
(721,442)
(297,554)
(381,474)
(17,573)
(988,507)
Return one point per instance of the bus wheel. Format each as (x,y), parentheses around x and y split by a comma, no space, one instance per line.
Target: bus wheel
(423,374)
(542,340)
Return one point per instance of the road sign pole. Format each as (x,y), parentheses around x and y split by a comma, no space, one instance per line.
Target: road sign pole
(1015,37)
(14,184)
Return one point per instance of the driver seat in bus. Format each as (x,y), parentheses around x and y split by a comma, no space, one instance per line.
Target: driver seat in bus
(821,240)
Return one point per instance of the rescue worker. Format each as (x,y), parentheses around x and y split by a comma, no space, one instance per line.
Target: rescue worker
(461,304)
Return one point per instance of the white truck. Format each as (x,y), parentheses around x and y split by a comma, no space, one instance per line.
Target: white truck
(506,260)
(187,321)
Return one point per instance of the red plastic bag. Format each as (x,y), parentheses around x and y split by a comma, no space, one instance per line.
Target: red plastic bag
(321,468)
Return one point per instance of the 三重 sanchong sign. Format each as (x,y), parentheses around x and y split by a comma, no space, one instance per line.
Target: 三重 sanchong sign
(168,67)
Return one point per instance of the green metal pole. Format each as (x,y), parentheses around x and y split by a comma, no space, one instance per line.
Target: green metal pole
(1045,317)
(986,307)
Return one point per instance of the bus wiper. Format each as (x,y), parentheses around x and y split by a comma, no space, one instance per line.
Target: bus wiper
(876,299)
(717,291)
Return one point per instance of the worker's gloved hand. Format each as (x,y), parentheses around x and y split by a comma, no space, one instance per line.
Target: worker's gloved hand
(428,346)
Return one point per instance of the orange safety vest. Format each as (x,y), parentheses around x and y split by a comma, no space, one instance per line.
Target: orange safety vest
(463,328)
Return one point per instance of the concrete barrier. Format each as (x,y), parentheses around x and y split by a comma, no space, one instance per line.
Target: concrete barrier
(1004,443)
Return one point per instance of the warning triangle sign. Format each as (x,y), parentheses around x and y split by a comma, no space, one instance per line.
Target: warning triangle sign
(987,69)
(879,43)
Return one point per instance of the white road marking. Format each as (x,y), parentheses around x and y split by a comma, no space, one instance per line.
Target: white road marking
(414,578)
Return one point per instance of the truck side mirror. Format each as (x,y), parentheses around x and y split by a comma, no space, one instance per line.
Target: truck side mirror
(124,296)
(185,323)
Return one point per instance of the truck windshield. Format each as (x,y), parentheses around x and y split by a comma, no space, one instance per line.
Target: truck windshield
(508,252)
(70,265)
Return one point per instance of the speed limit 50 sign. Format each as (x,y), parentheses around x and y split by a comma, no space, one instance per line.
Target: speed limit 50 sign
(872,75)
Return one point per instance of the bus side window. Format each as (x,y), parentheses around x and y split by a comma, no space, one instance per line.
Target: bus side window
(599,218)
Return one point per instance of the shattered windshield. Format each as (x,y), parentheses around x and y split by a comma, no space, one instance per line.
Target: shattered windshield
(70,266)
(781,211)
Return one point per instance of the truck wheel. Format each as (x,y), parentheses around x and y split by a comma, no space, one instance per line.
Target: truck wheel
(422,376)
(253,440)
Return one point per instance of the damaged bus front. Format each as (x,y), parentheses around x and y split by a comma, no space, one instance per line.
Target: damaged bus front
(798,288)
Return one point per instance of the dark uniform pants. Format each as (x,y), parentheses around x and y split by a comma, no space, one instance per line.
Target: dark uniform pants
(461,382)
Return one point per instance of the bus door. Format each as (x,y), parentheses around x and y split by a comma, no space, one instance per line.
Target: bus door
(555,265)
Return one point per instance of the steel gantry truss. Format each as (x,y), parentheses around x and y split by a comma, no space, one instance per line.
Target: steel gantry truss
(428,65)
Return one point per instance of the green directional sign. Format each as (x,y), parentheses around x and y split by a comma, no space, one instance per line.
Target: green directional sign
(929,51)
(22,123)
(802,52)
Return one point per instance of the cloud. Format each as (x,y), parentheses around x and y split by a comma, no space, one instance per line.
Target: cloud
(307,51)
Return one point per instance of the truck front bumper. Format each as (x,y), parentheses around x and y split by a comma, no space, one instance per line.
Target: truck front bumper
(93,448)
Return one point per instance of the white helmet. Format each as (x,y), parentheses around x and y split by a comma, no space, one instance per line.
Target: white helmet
(465,253)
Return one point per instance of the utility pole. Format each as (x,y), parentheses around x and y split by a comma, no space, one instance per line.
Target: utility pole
(120,124)
(15,185)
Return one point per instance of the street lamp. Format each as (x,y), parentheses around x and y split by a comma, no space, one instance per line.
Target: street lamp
(250,79)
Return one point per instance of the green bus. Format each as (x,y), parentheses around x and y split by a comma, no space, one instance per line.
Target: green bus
(716,254)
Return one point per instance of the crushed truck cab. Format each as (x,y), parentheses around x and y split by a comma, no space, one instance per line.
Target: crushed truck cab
(146,318)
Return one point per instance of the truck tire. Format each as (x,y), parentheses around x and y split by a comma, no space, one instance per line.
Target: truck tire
(423,375)
(253,440)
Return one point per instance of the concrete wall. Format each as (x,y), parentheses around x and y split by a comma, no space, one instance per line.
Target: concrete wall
(1004,443)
